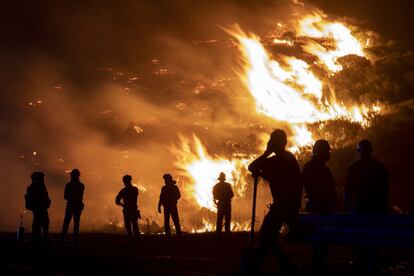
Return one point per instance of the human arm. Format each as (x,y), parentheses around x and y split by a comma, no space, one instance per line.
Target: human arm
(257,166)
(160,202)
(118,199)
(46,199)
(82,192)
(28,199)
(66,193)
(178,193)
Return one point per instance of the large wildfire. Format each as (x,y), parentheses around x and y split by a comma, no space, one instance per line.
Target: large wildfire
(284,88)
(194,89)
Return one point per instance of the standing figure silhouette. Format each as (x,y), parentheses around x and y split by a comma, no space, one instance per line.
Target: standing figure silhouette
(74,197)
(321,196)
(222,194)
(38,201)
(283,174)
(318,182)
(127,198)
(366,192)
(366,187)
(170,194)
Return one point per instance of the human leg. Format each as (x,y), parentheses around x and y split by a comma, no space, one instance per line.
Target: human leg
(76,224)
(66,222)
(45,224)
(36,226)
(227,223)
(127,223)
(219,223)
(176,220)
(167,229)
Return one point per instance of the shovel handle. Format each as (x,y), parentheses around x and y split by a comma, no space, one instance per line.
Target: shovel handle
(256,179)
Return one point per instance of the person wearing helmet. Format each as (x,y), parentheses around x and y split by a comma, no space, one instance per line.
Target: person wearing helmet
(318,182)
(170,194)
(74,204)
(366,187)
(222,194)
(321,195)
(127,198)
(38,201)
(282,172)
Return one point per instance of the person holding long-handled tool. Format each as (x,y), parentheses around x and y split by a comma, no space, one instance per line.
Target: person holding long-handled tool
(281,170)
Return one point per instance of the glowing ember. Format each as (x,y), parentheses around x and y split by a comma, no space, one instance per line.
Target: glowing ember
(203,170)
(138,129)
(282,42)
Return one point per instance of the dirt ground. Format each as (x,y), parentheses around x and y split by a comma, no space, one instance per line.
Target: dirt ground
(191,254)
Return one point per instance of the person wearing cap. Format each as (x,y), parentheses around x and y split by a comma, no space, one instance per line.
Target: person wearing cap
(38,201)
(366,187)
(74,204)
(281,170)
(318,182)
(222,195)
(170,194)
(320,192)
(128,198)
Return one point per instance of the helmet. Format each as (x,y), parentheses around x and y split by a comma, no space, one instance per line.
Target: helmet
(75,172)
(37,176)
(222,176)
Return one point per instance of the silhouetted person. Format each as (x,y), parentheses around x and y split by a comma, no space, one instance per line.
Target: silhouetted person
(37,200)
(318,182)
(170,194)
(74,204)
(283,174)
(127,198)
(321,194)
(222,194)
(366,192)
(366,188)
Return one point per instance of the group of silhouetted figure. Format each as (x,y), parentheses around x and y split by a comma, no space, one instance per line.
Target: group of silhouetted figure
(366,192)
(38,201)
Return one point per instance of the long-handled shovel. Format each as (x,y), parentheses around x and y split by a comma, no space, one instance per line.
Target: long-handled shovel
(256,178)
(247,259)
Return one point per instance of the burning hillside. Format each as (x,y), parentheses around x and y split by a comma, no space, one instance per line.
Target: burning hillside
(194,88)
(286,89)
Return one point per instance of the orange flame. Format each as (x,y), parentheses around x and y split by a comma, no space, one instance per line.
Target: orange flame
(285,88)
(208,226)
(203,170)
(339,38)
